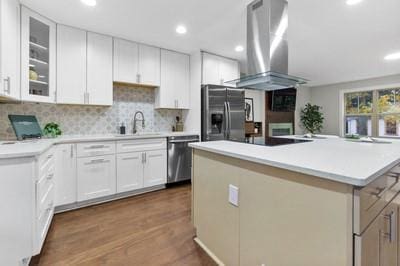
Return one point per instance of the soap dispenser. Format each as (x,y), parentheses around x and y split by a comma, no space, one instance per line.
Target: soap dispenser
(122,129)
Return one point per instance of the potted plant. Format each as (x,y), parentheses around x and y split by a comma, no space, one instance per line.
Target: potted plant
(311,118)
(52,130)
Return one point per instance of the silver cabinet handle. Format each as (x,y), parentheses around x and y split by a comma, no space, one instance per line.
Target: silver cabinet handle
(7,89)
(392,226)
(95,147)
(142,157)
(50,156)
(229,119)
(137,78)
(88,97)
(145,157)
(72,151)
(222,81)
(97,161)
(50,176)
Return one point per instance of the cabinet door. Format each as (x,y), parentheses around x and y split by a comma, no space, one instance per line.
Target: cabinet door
(389,236)
(71,65)
(10,48)
(149,65)
(38,57)
(129,171)
(99,69)
(65,174)
(174,89)
(155,168)
(96,177)
(126,58)
(228,70)
(182,89)
(211,69)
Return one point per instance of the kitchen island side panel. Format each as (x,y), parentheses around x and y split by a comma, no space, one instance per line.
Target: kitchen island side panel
(284,218)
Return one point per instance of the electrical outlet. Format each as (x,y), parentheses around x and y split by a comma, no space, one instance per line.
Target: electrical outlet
(233,195)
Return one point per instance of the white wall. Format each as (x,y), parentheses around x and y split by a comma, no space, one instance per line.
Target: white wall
(328,98)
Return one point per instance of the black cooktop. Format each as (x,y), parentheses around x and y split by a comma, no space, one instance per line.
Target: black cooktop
(271,141)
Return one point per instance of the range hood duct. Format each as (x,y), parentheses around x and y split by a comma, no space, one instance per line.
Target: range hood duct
(267,47)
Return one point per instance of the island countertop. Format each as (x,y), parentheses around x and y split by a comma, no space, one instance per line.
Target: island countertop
(337,159)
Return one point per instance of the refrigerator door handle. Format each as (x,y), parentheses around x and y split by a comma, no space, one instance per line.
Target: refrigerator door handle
(226,120)
(229,119)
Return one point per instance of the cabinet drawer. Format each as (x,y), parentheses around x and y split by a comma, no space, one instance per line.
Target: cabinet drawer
(369,201)
(46,203)
(95,149)
(46,161)
(45,182)
(141,145)
(43,224)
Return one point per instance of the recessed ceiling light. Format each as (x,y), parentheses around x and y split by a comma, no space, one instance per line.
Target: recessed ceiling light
(239,48)
(89,2)
(394,56)
(181,29)
(353,2)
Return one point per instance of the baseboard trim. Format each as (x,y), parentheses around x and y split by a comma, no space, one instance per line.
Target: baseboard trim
(209,252)
(87,203)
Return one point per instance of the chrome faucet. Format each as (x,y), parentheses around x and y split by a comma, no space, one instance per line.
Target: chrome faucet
(135,120)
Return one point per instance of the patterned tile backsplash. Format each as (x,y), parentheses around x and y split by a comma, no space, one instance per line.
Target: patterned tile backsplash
(76,119)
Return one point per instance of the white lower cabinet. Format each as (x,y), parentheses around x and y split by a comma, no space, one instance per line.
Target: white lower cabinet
(155,168)
(129,171)
(96,177)
(141,164)
(65,174)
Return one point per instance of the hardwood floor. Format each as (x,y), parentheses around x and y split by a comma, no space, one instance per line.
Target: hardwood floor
(150,229)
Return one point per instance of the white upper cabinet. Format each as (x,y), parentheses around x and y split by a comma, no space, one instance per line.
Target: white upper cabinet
(71,65)
(149,65)
(175,78)
(10,49)
(99,69)
(38,57)
(136,63)
(218,70)
(125,61)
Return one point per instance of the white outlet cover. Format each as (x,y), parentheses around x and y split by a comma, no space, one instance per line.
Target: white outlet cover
(233,195)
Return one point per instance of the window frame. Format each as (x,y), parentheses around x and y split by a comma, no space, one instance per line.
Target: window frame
(375,112)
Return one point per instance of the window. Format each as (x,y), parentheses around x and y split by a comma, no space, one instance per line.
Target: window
(373,113)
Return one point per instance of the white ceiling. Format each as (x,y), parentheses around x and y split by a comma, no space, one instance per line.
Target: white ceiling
(329,42)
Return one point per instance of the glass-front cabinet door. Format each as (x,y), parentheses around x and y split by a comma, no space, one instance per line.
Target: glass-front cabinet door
(38,57)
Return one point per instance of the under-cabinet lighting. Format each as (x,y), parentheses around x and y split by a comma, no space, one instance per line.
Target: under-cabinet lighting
(239,48)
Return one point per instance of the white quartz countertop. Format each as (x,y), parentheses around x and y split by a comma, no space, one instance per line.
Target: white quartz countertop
(30,148)
(354,163)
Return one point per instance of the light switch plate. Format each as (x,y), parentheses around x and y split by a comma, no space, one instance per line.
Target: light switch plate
(234,195)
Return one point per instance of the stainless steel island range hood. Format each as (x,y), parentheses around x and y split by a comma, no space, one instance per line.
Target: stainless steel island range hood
(267,47)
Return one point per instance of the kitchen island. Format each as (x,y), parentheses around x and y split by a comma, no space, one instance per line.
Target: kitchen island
(325,202)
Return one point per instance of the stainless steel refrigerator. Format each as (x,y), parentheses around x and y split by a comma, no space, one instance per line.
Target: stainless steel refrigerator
(223,113)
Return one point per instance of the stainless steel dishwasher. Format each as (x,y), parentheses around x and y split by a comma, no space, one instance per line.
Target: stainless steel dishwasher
(180,158)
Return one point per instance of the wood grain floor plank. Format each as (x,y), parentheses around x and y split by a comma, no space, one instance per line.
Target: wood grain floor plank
(149,229)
